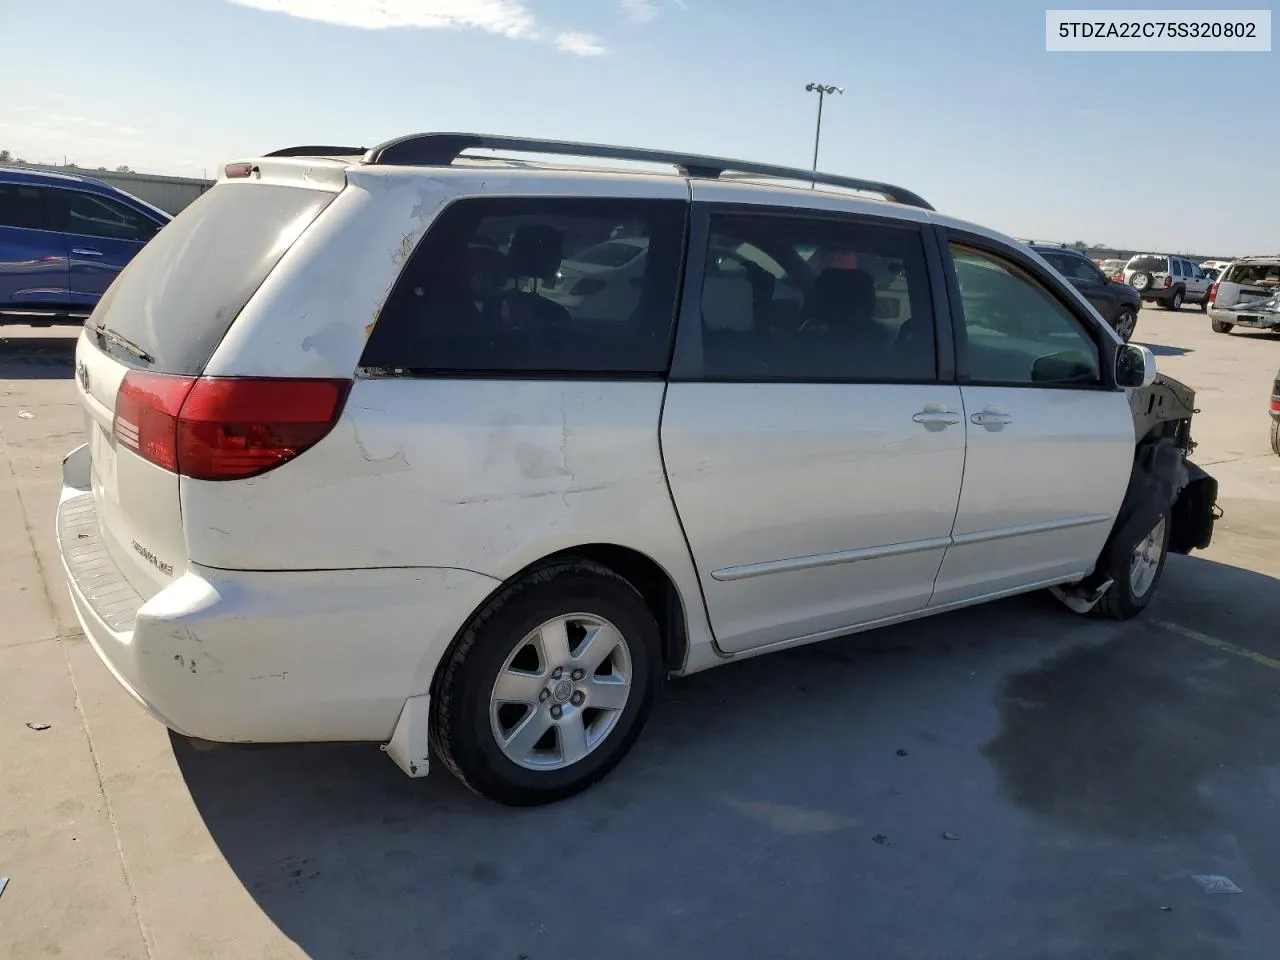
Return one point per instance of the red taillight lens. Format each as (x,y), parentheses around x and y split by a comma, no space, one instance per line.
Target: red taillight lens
(146,420)
(236,170)
(1168,281)
(224,428)
(1213,294)
(1118,277)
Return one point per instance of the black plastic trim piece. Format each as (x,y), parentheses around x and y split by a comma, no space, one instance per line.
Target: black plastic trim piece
(441,149)
(944,343)
(318,151)
(686,356)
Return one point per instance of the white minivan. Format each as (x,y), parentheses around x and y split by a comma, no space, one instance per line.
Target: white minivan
(357,470)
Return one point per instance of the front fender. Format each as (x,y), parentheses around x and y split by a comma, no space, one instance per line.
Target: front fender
(1194,512)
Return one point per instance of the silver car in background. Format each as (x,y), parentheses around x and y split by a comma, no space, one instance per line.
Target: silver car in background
(1240,295)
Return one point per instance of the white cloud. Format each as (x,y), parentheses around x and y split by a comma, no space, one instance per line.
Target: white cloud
(639,11)
(583,44)
(507,18)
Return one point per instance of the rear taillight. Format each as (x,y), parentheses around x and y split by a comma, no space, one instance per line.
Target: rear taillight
(1117,277)
(224,428)
(1168,281)
(146,420)
(1213,294)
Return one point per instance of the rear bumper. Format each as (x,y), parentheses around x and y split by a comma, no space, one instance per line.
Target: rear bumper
(244,656)
(1258,320)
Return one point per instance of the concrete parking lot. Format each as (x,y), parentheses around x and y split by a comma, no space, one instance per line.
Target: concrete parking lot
(1005,782)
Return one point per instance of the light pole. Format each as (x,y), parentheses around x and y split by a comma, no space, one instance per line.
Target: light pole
(821,90)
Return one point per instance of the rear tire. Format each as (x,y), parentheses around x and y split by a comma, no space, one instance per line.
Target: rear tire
(502,681)
(1175,302)
(1136,573)
(1220,326)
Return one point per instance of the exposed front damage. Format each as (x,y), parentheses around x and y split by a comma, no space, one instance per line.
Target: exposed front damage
(1163,479)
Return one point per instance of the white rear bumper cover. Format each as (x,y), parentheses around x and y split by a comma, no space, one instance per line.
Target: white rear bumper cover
(263,656)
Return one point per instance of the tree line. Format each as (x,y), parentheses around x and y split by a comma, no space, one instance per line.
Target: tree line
(8,157)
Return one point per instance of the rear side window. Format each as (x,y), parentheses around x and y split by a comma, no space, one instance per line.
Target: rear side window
(1149,264)
(22,206)
(503,286)
(178,297)
(93,216)
(820,299)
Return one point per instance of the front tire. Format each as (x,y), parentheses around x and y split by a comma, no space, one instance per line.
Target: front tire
(1125,323)
(1220,326)
(1204,303)
(1275,437)
(1136,573)
(548,686)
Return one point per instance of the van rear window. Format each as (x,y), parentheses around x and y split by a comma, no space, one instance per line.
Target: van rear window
(178,297)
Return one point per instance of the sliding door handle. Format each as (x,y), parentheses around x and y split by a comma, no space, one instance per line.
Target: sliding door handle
(936,415)
(991,419)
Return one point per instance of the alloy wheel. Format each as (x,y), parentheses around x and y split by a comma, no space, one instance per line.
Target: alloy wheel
(561,692)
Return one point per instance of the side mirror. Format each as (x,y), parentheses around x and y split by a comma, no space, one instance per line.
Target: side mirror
(1135,366)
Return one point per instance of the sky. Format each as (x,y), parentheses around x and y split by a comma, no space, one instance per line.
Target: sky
(959,102)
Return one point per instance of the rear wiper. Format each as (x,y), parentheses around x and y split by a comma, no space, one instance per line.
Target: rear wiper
(124,343)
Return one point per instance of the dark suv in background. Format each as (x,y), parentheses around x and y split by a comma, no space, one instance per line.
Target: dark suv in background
(63,239)
(1117,302)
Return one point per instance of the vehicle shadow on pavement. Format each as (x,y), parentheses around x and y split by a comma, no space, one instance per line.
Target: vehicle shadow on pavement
(37,358)
(1021,771)
(1166,350)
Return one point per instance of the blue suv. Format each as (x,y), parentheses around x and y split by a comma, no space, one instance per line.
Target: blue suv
(63,239)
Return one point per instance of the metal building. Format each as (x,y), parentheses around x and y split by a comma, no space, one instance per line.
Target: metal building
(170,194)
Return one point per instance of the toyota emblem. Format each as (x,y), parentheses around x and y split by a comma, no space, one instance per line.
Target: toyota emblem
(82,374)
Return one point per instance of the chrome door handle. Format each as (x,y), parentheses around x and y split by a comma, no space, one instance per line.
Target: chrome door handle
(991,419)
(86,252)
(938,418)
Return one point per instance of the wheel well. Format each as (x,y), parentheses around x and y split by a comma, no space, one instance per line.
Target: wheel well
(650,580)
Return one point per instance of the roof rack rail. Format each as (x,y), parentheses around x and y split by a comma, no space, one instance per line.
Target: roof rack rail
(441,149)
(318,151)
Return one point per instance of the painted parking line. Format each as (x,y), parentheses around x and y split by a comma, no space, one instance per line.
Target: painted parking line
(1204,638)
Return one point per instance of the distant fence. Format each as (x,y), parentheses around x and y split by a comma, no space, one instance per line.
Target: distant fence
(170,194)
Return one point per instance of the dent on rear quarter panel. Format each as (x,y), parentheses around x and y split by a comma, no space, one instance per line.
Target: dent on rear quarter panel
(481,475)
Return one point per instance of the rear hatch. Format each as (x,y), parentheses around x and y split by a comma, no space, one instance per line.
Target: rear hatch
(1244,282)
(149,339)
